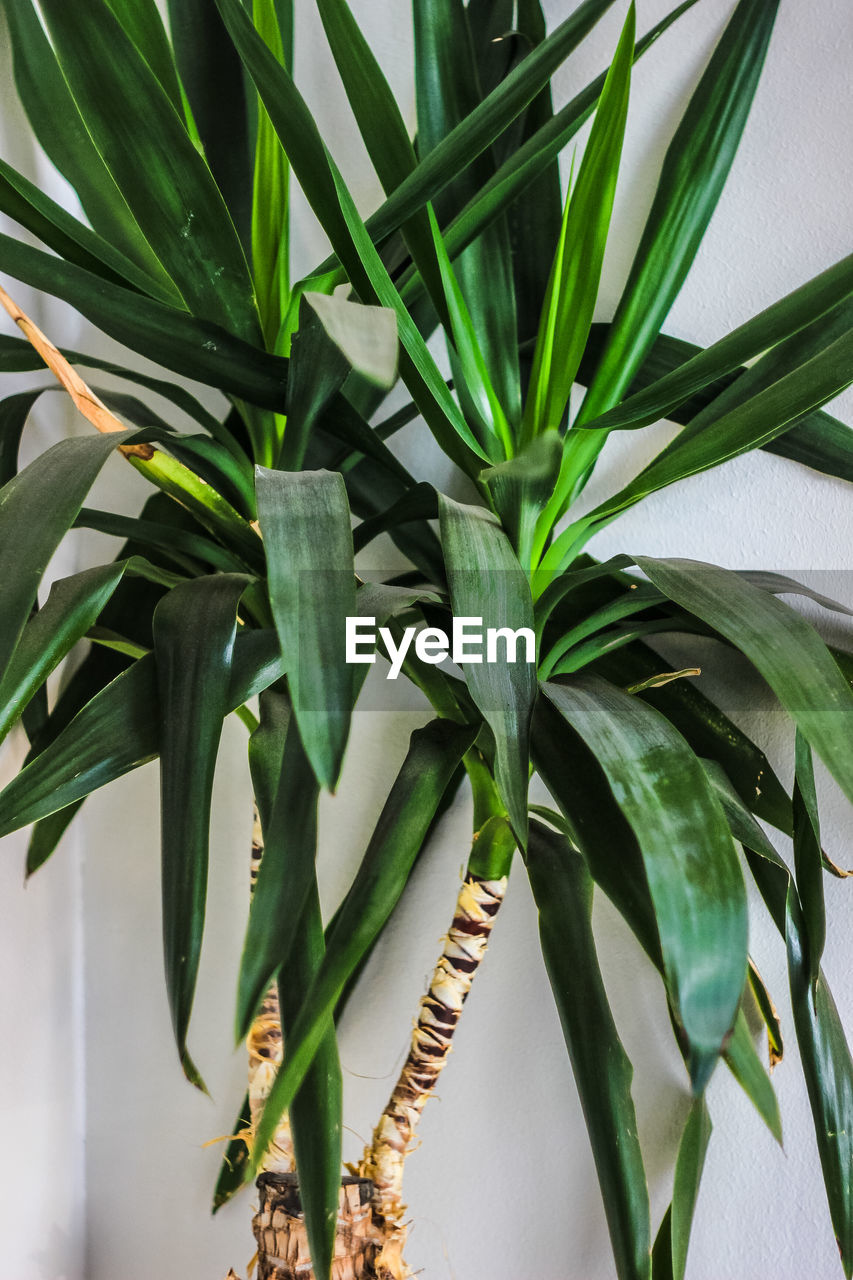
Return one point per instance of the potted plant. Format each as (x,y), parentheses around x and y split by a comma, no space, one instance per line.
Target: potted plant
(236,588)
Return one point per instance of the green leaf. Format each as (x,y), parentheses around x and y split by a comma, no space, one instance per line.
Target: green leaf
(287,794)
(315,373)
(305,520)
(790,315)
(487,584)
(194,632)
(786,650)
(316,1113)
(143,24)
(708,731)
(185,549)
(134,126)
(270,197)
(749,425)
(43,499)
(693,873)
(818,440)
(72,239)
(694,172)
(60,129)
(118,730)
(212,78)
(521,487)
(71,608)
(669,1259)
(573,286)
(522,168)
(18,356)
(380,124)
(478,388)
(446,93)
(828,1070)
(434,753)
(595,823)
(46,835)
(366,336)
(14,411)
(746,1067)
(603,1073)
(417,367)
(285,936)
(807,857)
(232,1171)
(192,347)
(486,123)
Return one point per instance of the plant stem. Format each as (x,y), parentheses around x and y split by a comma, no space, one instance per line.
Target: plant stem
(440,1010)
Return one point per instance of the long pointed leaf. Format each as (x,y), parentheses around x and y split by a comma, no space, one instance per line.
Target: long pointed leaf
(786,650)
(434,754)
(305,520)
(487,583)
(693,873)
(694,172)
(194,631)
(563,893)
(137,131)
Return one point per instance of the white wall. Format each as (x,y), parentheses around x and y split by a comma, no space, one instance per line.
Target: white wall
(503,1186)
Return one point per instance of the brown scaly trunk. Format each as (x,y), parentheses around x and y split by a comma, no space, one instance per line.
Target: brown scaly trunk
(279,1227)
(440,1009)
(265,1047)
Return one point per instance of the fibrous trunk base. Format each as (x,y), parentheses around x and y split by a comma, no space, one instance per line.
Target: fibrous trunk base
(279,1227)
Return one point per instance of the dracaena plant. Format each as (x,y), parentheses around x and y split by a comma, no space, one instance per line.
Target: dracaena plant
(233,586)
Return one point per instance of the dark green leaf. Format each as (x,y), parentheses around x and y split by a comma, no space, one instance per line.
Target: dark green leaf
(563,893)
(137,131)
(43,499)
(60,129)
(746,1067)
(19,356)
(194,632)
(446,93)
(316,1112)
(669,1259)
(523,167)
(807,857)
(287,792)
(180,342)
(212,76)
(488,584)
(118,730)
(46,835)
(791,314)
(595,822)
(71,608)
(486,123)
(232,1171)
(434,754)
(709,732)
(692,868)
(71,239)
(828,1070)
(786,650)
(576,271)
(694,173)
(305,520)
(521,487)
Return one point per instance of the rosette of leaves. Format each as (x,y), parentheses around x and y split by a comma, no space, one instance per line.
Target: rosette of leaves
(235,579)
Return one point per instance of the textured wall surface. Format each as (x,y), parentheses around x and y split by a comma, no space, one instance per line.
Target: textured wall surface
(503,1187)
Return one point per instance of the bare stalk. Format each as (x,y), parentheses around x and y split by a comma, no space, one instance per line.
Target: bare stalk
(465,945)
